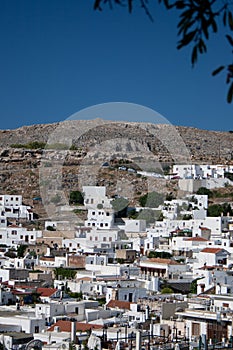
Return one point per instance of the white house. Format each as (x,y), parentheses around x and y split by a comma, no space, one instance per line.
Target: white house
(212,257)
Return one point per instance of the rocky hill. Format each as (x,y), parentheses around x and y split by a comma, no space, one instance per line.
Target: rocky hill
(65,156)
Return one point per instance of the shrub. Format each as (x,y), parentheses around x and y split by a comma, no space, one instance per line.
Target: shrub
(76,197)
(205,191)
(50,228)
(166,290)
(151,200)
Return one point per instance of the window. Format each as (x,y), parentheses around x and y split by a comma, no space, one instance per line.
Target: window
(31,236)
(104,239)
(96,238)
(195,329)
(107,214)
(101,224)
(105,225)
(110,239)
(93,213)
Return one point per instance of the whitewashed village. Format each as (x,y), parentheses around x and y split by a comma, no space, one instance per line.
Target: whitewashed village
(159,276)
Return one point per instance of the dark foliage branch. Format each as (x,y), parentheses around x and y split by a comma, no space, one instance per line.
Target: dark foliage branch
(198,20)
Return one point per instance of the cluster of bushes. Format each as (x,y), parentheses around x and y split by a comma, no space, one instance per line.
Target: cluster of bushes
(76,198)
(43,145)
(152,199)
(29,145)
(65,273)
(218,209)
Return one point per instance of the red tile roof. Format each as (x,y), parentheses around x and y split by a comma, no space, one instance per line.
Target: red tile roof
(211,250)
(46,292)
(195,239)
(161,261)
(85,278)
(118,304)
(65,326)
(47,258)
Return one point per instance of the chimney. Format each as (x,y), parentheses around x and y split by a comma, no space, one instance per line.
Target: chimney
(138,339)
(73,332)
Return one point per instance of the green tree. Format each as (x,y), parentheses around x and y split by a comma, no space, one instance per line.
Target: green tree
(21,250)
(166,290)
(120,206)
(65,272)
(198,21)
(76,197)
(50,228)
(149,215)
(229,176)
(218,209)
(193,286)
(187,217)
(205,191)
(170,196)
(163,255)
(152,199)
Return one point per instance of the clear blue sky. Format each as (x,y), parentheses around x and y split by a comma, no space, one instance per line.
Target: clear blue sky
(60,56)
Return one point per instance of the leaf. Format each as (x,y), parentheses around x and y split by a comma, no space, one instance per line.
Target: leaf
(130,5)
(218,70)
(230,20)
(201,46)
(224,19)
(188,37)
(230,39)
(230,93)
(194,55)
(180,5)
(167,5)
(214,26)
(205,28)
(97,5)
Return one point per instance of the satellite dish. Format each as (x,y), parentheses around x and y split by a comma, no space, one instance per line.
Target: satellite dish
(35,344)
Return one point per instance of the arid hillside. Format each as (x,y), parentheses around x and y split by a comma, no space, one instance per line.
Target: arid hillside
(71,154)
